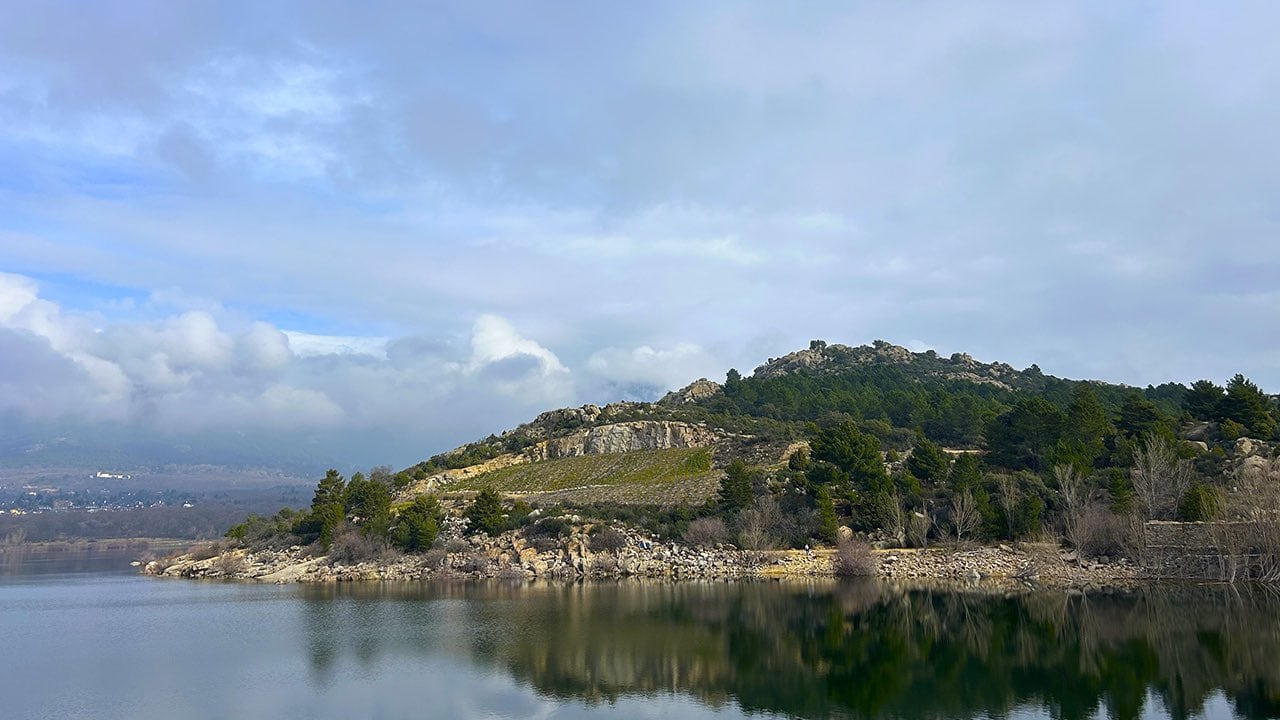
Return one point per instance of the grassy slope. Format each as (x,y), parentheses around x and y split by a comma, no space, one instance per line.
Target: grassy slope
(651,477)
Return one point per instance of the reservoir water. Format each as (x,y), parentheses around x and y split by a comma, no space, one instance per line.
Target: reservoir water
(84,637)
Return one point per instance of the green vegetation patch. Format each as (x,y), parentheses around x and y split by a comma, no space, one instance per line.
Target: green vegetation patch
(656,477)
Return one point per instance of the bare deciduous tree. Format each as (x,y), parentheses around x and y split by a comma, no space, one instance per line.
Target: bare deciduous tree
(964,515)
(1008,492)
(1075,497)
(758,525)
(918,525)
(1160,478)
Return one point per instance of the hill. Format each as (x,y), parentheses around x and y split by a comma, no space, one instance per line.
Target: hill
(905,447)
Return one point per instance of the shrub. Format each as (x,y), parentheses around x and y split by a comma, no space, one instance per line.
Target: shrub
(758,525)
(435,557)
(606,539)
(854,559)
(1201,503)
(204,551)
(352,547)
(543,543)
(552,527)
(706,532)
(230,564)
(476,561)
(918,525)
(1103,532)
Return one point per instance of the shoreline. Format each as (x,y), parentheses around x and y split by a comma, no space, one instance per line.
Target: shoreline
(570,558)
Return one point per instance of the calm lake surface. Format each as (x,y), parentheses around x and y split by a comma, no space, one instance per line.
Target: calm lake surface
(83,637)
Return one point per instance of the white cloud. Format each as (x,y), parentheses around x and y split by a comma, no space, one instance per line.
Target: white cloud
(663,368)
(494,339)
(311,345)
(194,372)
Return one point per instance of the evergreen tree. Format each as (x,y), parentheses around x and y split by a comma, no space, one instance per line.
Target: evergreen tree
(1203,401)
(419,524)
(928,462)
(1024,435)
(1084,436)
(368,504)
(328,508)
(1247,405)
(1121,491)
(1139,417)
(854,454)
(966,473)
(736,491)
(485,513)
(828,522)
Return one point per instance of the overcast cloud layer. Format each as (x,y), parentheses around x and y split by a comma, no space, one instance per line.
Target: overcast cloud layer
(424,223)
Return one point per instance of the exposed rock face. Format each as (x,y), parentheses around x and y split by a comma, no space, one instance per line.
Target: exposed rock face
(699,389)
(624,437)
(822,358)
(563,417)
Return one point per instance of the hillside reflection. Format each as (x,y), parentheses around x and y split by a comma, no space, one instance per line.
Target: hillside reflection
(856,650)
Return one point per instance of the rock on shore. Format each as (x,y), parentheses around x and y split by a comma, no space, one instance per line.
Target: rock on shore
(638,554)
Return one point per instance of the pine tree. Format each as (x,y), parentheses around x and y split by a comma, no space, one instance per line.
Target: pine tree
(736,489)
(927,461)
(828,522)
(485,513)
(1247,405)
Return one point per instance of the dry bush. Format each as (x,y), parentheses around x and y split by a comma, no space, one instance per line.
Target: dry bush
(1099,531)
(512,572)
(435,557)
(854,559)
(706,532)
(543,543)
(457,545)
(204,551)
(1256,538)
(353,547)
(605,565)
(230,564)
(918,525)
(606,539)
(758,525)
(476,561)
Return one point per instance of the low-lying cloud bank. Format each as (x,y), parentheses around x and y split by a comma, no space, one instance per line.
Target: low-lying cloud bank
(208,371)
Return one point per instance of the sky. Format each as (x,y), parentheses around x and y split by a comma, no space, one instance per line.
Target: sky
(389,228)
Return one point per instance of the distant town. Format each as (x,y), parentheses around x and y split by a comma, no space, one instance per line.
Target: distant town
(41,498)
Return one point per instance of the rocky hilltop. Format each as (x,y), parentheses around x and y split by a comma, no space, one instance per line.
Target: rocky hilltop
(820,357)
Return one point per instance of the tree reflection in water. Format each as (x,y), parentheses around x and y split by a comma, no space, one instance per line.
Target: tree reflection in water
(849,649)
